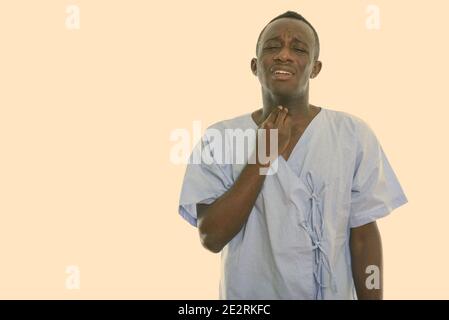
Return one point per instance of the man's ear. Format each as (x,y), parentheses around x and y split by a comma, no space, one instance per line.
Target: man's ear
(316,69)
(254,66)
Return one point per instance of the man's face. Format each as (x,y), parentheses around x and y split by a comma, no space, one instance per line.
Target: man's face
(286,58)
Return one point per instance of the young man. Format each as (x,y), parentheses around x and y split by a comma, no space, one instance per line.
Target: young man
(308,231)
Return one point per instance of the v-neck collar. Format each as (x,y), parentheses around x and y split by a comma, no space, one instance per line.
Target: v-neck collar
(308,131)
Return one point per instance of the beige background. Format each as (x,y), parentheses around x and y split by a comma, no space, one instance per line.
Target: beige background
(85,119)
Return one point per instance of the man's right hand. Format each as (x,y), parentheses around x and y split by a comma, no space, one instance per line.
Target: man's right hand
(279,120)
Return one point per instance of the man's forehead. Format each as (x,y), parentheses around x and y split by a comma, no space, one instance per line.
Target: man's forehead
(292,27)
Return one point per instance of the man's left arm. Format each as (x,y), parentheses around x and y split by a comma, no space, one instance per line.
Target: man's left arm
(366,260)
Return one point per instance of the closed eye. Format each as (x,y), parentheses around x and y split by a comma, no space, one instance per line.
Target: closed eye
(296,49)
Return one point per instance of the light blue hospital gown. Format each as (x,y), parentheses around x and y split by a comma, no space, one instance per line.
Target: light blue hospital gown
(295,243)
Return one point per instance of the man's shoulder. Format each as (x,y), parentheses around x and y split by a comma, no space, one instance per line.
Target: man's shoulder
(352,127)
(347,120)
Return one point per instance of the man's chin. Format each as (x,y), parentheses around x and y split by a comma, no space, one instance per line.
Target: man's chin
(284,93)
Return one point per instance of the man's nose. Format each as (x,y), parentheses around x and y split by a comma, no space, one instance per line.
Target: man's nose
(283,55)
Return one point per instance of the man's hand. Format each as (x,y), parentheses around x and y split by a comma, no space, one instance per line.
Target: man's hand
(281,121)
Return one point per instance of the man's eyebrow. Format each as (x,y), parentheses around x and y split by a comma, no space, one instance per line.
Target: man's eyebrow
(295,38)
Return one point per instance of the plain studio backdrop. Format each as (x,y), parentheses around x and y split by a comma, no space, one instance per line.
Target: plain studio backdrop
(92,90)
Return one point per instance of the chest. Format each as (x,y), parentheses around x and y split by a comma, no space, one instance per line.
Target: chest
(294,140)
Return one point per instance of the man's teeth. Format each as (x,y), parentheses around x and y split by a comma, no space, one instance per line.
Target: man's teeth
(282,72)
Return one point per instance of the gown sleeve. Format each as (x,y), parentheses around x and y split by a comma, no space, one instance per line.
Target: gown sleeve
(375,189)
(205,180)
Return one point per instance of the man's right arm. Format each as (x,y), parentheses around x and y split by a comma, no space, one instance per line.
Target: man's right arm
(220,221)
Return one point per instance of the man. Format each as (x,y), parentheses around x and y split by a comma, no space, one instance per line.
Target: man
(309,230)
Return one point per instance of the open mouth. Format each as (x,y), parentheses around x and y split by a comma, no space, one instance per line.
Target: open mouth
(282,75)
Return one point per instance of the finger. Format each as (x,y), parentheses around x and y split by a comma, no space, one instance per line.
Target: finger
(273,115)
(281,117)
(287,118)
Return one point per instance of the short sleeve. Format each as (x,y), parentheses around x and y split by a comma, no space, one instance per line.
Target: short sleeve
(204,181)
(375,190)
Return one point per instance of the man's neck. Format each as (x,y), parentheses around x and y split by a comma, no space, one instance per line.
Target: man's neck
(298,107)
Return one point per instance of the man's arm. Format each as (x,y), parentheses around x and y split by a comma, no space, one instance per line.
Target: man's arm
(366,251)
(220,221)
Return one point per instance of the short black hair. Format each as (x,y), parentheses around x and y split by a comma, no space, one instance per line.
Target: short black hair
(297,16)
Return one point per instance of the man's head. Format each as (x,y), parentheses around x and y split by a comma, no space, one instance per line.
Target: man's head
(287,55)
